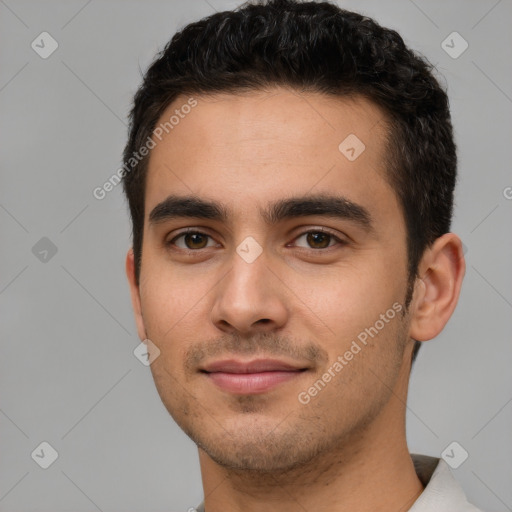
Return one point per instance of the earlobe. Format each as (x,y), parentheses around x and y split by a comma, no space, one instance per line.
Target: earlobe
(437,289)
(135,294)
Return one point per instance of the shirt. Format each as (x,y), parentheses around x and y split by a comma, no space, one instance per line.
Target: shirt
(442,492)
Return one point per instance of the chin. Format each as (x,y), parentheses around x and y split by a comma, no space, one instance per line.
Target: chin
(262,452)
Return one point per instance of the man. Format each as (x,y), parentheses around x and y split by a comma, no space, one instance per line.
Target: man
(290,172)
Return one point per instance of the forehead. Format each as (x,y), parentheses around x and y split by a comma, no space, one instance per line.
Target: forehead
(258,147)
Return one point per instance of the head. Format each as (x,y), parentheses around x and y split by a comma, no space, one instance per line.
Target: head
(254,121)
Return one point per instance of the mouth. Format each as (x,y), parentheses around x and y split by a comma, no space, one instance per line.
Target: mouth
(252,377)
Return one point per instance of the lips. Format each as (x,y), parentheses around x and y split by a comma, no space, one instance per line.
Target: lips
(251,377)
(255,366)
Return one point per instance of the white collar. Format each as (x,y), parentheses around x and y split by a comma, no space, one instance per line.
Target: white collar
(442,492)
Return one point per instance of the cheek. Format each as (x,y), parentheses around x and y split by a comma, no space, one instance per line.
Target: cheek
(358,321)
(168,306)
(349,299)
(167,289)
(360,375)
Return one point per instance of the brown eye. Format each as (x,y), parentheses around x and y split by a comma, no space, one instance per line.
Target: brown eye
(195,240)
(319,240)
(191,241)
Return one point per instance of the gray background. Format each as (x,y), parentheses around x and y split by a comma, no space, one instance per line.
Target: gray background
(68,375)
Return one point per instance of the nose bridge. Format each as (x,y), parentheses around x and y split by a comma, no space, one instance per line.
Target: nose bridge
(248,297)
(247,283)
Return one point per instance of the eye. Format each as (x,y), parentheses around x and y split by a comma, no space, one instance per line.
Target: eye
(191,240)
(319,239)
(195,240)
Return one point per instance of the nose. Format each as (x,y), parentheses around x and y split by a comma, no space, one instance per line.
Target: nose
(250,298)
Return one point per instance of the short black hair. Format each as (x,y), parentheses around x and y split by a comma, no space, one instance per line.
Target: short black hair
(311,47)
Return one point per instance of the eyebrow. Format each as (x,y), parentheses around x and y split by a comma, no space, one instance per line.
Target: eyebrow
(311,205)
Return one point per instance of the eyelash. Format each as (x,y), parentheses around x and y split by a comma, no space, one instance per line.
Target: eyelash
(340,242)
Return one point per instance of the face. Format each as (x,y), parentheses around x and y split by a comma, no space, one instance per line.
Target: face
(275,295)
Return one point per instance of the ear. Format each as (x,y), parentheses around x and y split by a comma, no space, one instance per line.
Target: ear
(437,287)
(135,293)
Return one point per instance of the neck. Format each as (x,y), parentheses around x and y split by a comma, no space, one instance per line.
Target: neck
(370,471)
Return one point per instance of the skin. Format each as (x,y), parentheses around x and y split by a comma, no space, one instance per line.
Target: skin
(300,302)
